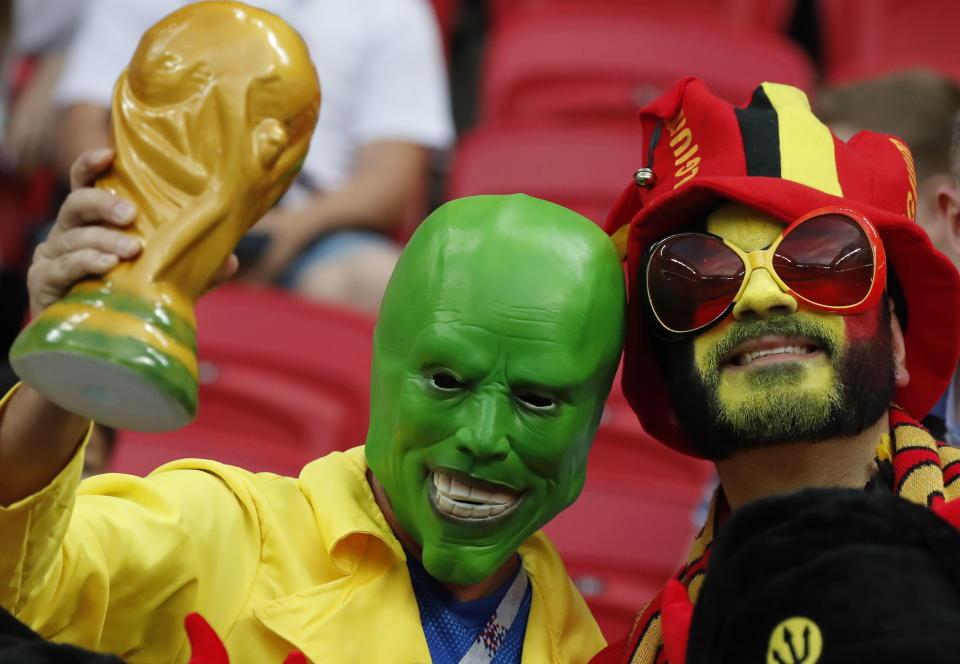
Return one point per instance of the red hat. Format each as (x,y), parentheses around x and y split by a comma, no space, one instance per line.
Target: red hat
(775,156)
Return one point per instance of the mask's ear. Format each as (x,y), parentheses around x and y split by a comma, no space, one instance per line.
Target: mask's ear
(269,141)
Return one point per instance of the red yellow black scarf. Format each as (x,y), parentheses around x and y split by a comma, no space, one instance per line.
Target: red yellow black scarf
(913,464)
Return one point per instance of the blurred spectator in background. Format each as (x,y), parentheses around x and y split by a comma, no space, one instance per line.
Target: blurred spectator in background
(948,200)
(945,415)
(33,38)
(916,105)
(919,106)
(34,35)
(384,108)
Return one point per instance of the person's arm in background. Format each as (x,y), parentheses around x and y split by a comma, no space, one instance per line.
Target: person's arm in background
(399,113)
(85,126)
(103,44)
(388,176)
(31,134)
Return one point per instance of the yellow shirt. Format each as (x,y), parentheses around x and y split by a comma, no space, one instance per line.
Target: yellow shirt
(273,563)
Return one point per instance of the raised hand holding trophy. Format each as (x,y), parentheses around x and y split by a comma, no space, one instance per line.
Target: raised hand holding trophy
(211,121)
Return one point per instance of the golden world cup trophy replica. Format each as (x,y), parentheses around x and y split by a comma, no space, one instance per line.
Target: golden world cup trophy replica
(211,121)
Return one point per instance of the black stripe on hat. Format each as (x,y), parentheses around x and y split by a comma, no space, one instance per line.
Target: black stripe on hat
(760,130)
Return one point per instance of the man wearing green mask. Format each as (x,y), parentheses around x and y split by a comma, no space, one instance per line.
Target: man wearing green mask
(497,341)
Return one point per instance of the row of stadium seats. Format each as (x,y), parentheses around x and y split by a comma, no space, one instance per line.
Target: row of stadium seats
(770,14)
(563,80)
(572,62)
(863,38)
(858,37)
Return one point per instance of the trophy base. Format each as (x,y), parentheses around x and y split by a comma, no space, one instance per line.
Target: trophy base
(116,358)
(102,390)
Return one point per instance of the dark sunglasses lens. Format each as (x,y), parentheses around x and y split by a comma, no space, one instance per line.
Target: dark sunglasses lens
(828,260)
(691,280)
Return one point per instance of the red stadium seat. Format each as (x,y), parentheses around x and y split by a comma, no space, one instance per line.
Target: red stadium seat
(620,546)
(25,202)
(769,14)
(864,38)
(584,169)
(283,381)
(623,451)
(634,522)
(599,62)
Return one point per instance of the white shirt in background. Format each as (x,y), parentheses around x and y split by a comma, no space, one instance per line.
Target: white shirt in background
(380,63)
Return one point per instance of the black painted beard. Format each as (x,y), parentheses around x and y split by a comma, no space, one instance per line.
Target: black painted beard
(864,377)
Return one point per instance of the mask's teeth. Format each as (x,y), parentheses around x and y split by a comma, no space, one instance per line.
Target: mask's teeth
(498,509)
(459,499)
(442,482)
(471,511)
(458,490)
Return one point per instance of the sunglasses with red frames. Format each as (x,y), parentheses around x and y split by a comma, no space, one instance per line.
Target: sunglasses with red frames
(831,259)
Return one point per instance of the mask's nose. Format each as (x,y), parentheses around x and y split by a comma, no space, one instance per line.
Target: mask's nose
(483,435)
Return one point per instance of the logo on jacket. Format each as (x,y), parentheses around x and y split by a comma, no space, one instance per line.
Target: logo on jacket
(795,641)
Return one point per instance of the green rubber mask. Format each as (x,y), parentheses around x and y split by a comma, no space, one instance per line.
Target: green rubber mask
(496,344)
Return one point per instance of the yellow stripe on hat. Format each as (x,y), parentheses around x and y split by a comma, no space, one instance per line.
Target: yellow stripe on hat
(806,145)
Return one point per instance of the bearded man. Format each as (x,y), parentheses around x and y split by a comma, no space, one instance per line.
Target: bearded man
(788,320)
(495,348)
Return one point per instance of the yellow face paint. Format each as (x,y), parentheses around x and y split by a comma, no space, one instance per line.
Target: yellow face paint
(800,393)
(747,228)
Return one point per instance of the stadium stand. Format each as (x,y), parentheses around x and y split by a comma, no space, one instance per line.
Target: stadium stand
(865,38)
(581,168)
(600,62)
(283,381)
(769,14)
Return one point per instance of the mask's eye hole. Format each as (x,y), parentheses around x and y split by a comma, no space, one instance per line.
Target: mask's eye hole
(446,381)
(536,401)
